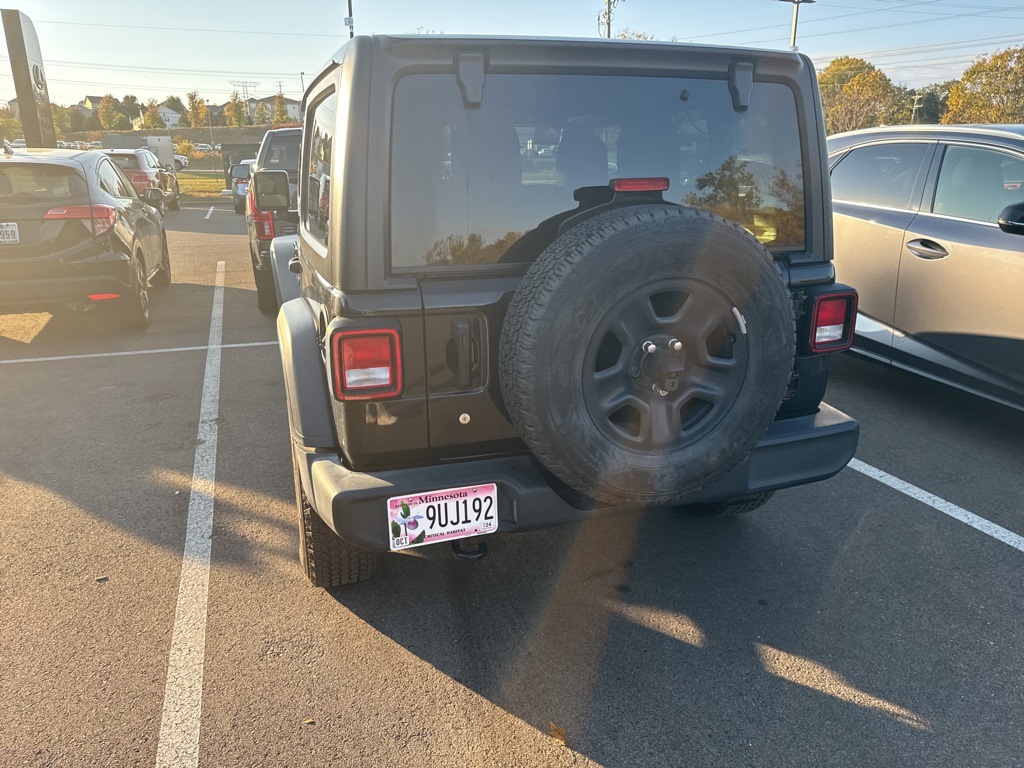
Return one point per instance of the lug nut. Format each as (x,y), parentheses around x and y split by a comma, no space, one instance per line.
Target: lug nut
(649,347)
(675,345)
(634,372)
(659,390)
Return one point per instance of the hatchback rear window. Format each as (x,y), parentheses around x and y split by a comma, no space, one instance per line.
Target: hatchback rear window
(126,162)
(38,183)
(466,184)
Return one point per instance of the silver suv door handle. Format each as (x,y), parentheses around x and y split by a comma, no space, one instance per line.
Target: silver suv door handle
(926,249)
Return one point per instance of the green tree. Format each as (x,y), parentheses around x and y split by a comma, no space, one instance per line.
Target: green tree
(175,103)
(91,123)
(197,111)
(280,110)
(121,123)
(237,111)
(77,119)
(61,120)
(262,116)
(108,111)
(10,125)
(990,91)
(130,106)
(153,119)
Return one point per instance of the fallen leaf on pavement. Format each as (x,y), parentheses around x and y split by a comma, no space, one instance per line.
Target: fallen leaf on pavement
(557,733)
(102,579)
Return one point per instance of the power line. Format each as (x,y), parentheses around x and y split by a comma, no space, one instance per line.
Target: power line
(192,29)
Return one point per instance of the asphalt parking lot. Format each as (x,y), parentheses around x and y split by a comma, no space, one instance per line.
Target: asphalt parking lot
(846,623)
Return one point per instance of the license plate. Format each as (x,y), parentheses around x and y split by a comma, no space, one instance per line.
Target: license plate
(9,233)
(433,516)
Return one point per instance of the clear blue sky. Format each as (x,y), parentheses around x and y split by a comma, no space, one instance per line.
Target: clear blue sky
(153,49)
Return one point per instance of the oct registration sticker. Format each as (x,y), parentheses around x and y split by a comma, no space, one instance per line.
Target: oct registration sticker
(433,516)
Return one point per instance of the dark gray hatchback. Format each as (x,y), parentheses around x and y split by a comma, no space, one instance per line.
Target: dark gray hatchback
(75,233)
(928,227)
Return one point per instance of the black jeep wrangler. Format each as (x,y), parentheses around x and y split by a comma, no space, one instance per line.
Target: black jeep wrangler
(542,279)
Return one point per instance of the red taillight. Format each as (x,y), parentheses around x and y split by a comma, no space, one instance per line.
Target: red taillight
(640,185)
(140,180)
(832,325)
(104,296)
(263,221)
(366,364)
(98,218)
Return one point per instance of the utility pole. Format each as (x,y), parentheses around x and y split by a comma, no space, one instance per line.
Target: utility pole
(608,19)
(796,14)
(302,81)
(245,85)
(917,103)
(280,86)
(349,22)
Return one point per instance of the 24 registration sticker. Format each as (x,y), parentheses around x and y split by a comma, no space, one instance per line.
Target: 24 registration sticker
(434,516)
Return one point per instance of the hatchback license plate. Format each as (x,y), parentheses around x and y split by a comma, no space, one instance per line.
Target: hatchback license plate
(9,233)
(433,516)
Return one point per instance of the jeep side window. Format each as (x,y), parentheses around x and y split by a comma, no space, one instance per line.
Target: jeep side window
(316,207)
(880,174)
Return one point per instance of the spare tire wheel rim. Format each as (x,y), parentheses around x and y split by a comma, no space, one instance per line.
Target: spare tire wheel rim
(665,365)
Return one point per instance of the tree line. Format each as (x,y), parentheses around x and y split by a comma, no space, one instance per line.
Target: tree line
(115,114)
(855,94)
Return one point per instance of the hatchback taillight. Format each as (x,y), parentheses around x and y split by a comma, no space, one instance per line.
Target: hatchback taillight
(833,321)
(366,364)
(98,218)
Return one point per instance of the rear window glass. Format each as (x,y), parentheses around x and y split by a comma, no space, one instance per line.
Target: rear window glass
(283,154)
(126,162)
(35,182)
(466,184)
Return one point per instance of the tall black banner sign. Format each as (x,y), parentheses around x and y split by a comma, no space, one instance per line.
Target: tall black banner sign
(29,79)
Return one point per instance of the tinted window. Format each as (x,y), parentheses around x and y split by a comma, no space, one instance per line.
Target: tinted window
(466,184)
(126,162)
(114,182)
(977,183)
(881,174)
(283,154)
(35,182)
(317,204)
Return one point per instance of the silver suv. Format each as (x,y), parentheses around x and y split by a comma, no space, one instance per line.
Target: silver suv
(928,224)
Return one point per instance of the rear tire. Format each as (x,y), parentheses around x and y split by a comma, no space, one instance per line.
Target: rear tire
(133,310)
(175,203)
(163,277)
(240,207)
(729,507)
(327,559)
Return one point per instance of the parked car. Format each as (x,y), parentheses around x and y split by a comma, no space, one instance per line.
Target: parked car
(240,183)
(180,161)
(74,232)
(928,226)
(490,349)
(279,151)
(203,147)
(145,171)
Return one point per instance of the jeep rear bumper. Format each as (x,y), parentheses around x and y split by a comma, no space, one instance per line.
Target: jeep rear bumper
(794,451)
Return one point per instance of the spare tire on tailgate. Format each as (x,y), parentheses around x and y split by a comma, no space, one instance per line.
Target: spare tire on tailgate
(646,352)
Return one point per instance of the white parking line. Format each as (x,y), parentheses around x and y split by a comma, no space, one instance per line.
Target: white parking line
(209,213)
(959,513)
(178,745)
(134,352)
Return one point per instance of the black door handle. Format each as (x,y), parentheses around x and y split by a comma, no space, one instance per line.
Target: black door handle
(462,334)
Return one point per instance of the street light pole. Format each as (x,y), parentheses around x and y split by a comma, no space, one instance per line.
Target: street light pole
(796,15)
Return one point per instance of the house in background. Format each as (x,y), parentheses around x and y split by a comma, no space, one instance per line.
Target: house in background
(293,107)
(170,117)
